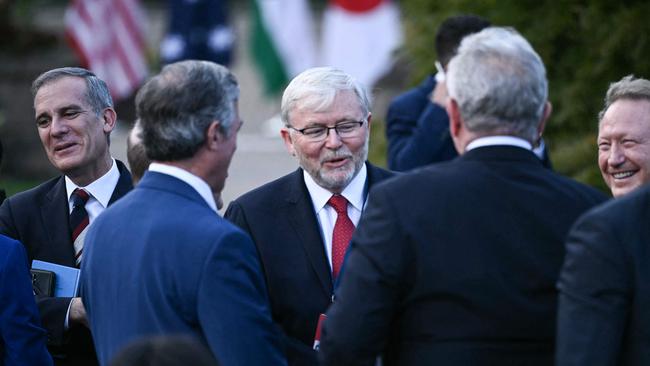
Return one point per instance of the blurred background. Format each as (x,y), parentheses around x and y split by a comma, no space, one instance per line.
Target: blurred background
(387,44)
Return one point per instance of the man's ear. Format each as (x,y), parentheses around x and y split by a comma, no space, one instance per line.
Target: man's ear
(453,111)
(548,109)
(369,119)
(214,137)
(288,140)
(109,118)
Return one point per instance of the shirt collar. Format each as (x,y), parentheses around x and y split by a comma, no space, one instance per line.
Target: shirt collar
(354,192)
(199,185)
(101,189)
(499,140)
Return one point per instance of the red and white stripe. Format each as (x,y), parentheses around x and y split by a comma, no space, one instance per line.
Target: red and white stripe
(108,36)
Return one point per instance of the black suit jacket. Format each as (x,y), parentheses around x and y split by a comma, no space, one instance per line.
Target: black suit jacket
(603,316)
(456,264)
(280,218)
(39,219)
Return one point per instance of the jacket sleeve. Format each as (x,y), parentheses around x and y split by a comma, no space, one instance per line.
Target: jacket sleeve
(594,289)
(20,329)
(233,305)
(376,278)
(417,133)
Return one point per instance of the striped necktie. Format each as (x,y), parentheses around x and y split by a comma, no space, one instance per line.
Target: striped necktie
(79,221)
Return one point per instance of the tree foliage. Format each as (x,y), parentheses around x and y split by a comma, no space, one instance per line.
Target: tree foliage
(585,46)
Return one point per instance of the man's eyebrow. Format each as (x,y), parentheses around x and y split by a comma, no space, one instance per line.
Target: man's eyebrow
(340,120)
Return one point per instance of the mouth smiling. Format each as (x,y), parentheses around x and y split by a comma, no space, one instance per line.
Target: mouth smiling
(62,147)
(624,174)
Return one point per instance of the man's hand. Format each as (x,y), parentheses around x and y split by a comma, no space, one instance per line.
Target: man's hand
(78,313)
(439,94)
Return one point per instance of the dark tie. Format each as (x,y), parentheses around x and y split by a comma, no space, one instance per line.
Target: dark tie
(79,221)
(343,229)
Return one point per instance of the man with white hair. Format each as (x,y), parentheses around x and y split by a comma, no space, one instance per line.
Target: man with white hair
(302,223)
(456,264)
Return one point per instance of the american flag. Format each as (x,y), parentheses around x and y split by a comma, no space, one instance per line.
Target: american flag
(108,36)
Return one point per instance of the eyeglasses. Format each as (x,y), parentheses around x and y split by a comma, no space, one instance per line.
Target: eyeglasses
(320,133)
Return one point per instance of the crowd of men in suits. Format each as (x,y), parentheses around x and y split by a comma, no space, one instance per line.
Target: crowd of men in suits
(339,262)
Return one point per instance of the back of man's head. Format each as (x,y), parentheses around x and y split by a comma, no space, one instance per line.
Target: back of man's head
(499,83)
(452,31)
(176,107)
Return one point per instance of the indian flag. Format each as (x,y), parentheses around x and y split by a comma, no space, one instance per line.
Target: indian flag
(282,41)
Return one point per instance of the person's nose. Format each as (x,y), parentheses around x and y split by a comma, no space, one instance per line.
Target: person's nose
(333,140)
(58,126)
(616,156)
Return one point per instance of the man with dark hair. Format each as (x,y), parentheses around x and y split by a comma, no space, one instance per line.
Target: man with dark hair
(302,223)
(136,155)
(417,125)
(74,118)
(456,263)
(624,135)
(172,350)
(163,261)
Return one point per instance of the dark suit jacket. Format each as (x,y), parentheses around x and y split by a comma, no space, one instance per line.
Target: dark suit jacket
(22,340)
(175,267)
(417,130)
(280,218)
(603,316)
(39,218)
(456,264)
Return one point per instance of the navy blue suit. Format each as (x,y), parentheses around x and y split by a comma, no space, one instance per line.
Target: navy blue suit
(161,261)
(22,340)
(280,218)
(417,130)
(603,315)
(456,264)
(39,218)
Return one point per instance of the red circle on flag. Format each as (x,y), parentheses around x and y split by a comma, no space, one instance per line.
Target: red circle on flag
(357,6)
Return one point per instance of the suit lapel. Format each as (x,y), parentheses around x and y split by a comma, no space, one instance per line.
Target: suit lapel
(124,184)
(301,217)
(54,213)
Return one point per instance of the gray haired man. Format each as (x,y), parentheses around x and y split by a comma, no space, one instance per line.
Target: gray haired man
(455,264)
(624,135)
(74,118)
(163,261)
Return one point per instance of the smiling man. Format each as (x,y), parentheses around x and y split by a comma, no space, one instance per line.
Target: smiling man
(74,117)
(624,135)
(293,220)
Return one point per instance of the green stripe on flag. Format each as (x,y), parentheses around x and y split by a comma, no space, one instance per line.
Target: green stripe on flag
(265,56)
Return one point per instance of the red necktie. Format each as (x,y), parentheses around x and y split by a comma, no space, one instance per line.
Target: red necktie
(78,220)
(343,229)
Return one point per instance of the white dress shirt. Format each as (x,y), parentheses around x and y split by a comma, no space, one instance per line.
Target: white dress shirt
(356,195)
(100,192)
(499,140)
